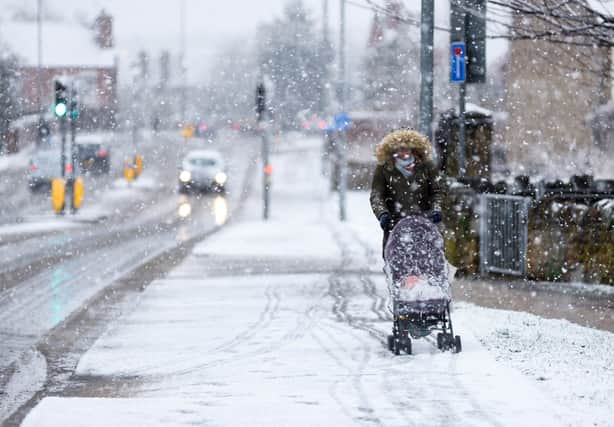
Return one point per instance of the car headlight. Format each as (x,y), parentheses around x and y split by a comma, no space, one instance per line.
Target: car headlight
(220,178)
(185,176)
(185,209)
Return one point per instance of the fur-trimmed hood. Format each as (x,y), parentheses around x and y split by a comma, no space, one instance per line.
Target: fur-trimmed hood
(411,139)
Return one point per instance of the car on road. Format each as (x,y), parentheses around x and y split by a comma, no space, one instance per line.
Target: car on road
(202,171)
(93,154)
(44,165)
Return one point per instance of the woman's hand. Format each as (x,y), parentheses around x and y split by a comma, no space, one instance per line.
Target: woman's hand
(384,220)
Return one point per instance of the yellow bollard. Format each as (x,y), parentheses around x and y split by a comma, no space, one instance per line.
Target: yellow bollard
(129,173)
(78,192)
(58,193)
(138,163)
(187,131)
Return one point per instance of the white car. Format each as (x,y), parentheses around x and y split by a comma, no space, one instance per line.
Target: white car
(202,171)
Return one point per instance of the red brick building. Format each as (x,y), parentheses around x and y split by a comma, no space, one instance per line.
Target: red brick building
(81,55)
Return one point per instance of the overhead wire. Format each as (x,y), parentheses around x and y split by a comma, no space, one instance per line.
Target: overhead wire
(502,10)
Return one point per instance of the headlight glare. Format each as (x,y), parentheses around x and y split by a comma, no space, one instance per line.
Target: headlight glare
(221,178)
(185,176)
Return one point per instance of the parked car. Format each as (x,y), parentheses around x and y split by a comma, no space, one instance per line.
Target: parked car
(44,165)
(202,171)
(93,154)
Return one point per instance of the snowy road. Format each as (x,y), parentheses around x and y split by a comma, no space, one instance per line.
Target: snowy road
(284,323)
(55,267)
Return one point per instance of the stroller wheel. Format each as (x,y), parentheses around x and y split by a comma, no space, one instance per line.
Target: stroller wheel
(390,342)
(407,345)
(396,347)
(446,341)
(440,341)
(457,344)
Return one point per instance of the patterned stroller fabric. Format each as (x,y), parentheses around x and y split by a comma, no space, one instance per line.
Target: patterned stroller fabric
(416,267)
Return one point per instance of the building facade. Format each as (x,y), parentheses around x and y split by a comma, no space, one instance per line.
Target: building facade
(81,56)
(550,90)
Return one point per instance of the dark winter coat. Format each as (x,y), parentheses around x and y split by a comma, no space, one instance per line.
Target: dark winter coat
(396,194)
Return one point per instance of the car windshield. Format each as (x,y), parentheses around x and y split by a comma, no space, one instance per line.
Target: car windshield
(202,162)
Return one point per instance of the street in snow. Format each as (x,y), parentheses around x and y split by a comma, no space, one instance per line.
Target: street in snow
(307,213)
(286,323)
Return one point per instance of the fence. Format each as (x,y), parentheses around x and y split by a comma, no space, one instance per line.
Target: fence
(503,234)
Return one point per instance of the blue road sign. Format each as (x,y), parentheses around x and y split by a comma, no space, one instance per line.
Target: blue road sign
(458,62)
(342,121)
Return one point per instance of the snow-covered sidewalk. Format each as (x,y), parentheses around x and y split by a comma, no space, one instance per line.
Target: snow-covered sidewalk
(284,323)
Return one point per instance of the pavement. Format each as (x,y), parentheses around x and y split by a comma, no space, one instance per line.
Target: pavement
(284,323)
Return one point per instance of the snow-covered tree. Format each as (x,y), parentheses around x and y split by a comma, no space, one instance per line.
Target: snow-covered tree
(231,96)
(392,65)
(8,95)
(290,55)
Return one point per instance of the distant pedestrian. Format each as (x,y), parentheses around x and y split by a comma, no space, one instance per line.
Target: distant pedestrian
(405,182)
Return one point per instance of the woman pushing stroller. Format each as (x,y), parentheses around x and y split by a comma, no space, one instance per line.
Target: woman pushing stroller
(406,199)
(405,181)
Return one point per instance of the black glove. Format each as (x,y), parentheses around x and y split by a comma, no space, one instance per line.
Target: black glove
(384,220)
(436,216)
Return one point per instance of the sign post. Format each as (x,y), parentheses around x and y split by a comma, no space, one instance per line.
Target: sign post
(468,57)
(458,74)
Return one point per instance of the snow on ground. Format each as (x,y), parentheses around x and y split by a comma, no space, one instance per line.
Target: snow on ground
(238,338)
(105,204)
(282,241)
(571,363)
(38,225)
(16,161)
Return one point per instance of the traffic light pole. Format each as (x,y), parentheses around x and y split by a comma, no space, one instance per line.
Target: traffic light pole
(63,132)
(462,90)
(461,130)
(342,135)
(266,149)
(73,157)
(267,169)
(426,68)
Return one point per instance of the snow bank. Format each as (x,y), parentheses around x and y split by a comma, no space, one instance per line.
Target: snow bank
(572,364)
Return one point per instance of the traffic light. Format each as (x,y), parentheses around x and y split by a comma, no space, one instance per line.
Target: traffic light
(260,101)
(475,39)
(74,110)
(61,103)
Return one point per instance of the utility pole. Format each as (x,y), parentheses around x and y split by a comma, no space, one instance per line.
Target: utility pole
(426,67)
(182,24)
(341,135)
(324,54)
(39,86)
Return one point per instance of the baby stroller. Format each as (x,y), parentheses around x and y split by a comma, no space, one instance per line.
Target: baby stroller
(417,275)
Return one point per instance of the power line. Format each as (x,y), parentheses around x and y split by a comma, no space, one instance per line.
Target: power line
(599,31)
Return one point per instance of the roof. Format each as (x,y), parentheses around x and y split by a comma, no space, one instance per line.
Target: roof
(210,154)
(64,44)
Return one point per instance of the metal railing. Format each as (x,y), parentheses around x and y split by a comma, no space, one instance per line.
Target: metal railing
(503,234)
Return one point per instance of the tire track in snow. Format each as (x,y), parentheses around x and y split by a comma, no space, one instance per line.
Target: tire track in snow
(265,318)
(339,309)
(378,308)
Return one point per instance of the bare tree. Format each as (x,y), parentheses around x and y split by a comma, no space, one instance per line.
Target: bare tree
(581,22)
(576,22)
